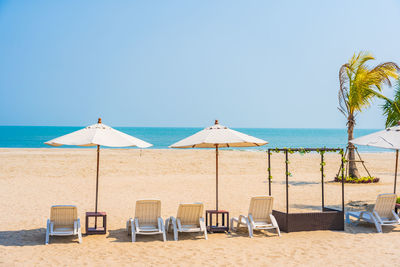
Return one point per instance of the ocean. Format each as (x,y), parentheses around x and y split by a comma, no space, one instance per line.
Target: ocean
(162,137)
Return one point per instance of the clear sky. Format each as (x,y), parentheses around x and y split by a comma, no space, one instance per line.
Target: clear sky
(185,63)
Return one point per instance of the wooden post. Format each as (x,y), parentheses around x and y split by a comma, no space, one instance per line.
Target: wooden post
(97,183)
(287,190)
(395,171)
(342,182)
(97,175)
(216,176)
(97,178)
(345,153)
(322,179)
(269,171)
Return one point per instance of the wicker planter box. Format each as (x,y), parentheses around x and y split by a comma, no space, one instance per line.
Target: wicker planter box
(328,219)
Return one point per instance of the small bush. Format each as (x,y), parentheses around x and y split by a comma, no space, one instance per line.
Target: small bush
(398,200)
(361,180)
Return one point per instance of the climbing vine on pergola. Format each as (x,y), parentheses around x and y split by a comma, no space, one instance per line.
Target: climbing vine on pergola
(303,151)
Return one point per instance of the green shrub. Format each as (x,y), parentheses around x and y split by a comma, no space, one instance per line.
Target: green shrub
(361,180)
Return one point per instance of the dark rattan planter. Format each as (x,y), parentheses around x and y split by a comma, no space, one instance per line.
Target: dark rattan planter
(329,219)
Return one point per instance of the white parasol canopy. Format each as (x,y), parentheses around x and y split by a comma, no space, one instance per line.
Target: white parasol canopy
(217,136)
(388,138)
(98,135)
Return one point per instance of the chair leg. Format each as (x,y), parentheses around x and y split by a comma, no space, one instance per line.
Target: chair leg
(203,226)
(161,227)
(278,231)
(47,233)
(167,225)
(377,225)
(249,226)
(79,232)
(175,229)
(275,224)
(231,225)
(133,232)
(250,231)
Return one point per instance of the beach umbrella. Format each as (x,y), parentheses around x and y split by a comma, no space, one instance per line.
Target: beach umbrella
(388,138)
(218,136)
(98,135)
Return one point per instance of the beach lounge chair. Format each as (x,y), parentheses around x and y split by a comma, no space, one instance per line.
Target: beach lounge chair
(147,219)
(188,220)
(382,213)
(259,218)
(63,221)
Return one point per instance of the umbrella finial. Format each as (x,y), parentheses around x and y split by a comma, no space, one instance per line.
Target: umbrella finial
(216,122)
(99,121)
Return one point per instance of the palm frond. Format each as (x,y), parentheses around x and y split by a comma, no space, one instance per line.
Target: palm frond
(343,90)
(360,84)
(391,108)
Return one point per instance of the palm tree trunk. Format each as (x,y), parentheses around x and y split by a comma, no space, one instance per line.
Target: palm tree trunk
(353,171)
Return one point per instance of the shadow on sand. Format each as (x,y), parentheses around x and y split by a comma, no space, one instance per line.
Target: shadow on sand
(32,237)
(368,228)
(121,235)
(243,232)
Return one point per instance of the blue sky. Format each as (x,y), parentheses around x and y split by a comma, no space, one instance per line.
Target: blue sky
(185,63)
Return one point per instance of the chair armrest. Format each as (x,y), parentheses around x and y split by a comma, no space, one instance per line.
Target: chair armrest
(377,217)
(370,208)
(251,220)
(179,225)
(273,220)
(131,223)
(202,224)
(240,220)
(161,227)
(51,227)
(172,220)
(137,225)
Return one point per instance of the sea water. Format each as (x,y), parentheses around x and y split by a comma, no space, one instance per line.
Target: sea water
(162,137)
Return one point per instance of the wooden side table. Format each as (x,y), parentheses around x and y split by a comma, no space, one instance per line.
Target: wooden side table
(96,229)
(219,216)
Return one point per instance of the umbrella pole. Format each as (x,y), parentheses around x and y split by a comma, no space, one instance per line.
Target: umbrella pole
(97,182)
(216,176)
(395,171)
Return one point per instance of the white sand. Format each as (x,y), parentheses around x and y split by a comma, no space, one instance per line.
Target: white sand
(31,180)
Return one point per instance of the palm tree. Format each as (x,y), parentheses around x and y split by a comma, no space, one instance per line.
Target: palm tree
(359,84)
(391,108)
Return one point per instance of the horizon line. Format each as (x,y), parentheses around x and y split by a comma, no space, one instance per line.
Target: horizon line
(194,127)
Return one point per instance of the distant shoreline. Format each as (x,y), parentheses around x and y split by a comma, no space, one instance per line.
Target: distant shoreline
(77,149)
(162,137)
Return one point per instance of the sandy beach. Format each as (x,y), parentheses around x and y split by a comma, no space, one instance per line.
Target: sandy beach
(31,180)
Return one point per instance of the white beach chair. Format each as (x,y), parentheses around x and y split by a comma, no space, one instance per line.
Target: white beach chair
(259,218)
(63,221)
(382,214)
(147,219)
(188,220)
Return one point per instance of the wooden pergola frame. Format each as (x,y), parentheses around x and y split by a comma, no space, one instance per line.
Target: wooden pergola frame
(325,220)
